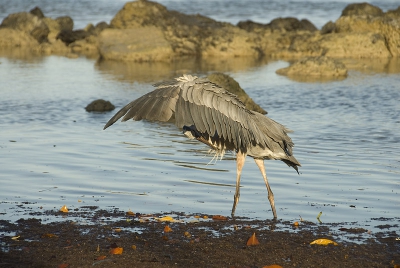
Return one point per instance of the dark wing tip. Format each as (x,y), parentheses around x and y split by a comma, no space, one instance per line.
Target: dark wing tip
(117,116)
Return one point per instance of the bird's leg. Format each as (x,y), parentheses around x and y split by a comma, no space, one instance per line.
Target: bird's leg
(260,164)
(240,158)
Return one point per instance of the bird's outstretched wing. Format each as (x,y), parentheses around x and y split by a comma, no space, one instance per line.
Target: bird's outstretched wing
(210,109)
(157,105)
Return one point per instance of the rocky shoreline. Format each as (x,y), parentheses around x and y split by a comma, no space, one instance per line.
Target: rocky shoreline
(145,31)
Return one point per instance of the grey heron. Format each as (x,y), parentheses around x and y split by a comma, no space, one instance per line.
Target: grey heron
(216,117)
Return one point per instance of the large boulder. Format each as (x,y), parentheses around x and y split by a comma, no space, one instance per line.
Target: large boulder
(28,23)
(138,44)
(186,34)
(362,9)
(385,27)
(10,38)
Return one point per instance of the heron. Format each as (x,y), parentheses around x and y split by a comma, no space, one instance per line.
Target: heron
(212,115)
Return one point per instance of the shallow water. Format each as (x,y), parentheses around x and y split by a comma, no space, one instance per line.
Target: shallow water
(52,152)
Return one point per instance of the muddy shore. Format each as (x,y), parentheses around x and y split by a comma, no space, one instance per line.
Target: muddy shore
(90,237)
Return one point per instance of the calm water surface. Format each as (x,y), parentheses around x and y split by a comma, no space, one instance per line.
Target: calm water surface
(52,152)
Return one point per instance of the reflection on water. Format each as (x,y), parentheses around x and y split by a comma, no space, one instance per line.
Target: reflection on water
(150,72)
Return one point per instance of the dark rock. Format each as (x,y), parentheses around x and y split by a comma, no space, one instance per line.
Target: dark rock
(251,26)
(66,23)
(230,84)
(292,24)
(100,27)
(28,23)
(279,24)
(360,9)
(329,27)
(100,105)
(37,12)
(68,36)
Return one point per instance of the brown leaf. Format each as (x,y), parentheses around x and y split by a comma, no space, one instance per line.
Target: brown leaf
(167,229)
(253,241)
(116,251)
(130,213)
(219,218)
(63,265)
(99,258)
(49,235)
(273,266)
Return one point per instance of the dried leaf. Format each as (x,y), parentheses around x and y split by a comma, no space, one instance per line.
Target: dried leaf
(116,251)
(64,209)
(205,217)
(167,218)
(117,230)
(273,266)
(133,247)
(130,213)
(49,235)
(219,218)
(253,241)
(99,258)
(15,237)
(63,265)
(296,223)
(323,242)
(187,234)
(167,229)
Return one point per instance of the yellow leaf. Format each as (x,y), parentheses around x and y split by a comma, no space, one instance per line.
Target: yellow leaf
(64,209)
(253,241)
(167,229)
(117,230)
(273,266)
(196,216)
(167,218)
(116,251)
(133,247)
(15,237)
(205,217)
(296,223)
(187,234)
(323,242)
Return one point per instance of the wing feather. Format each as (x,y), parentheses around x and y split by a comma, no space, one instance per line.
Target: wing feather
(145,106)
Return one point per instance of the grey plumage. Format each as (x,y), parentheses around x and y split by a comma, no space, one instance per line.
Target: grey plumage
(217,118)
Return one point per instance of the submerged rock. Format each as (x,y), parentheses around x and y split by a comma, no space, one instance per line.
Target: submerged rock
(100,105)
(228,82)
(315,67)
